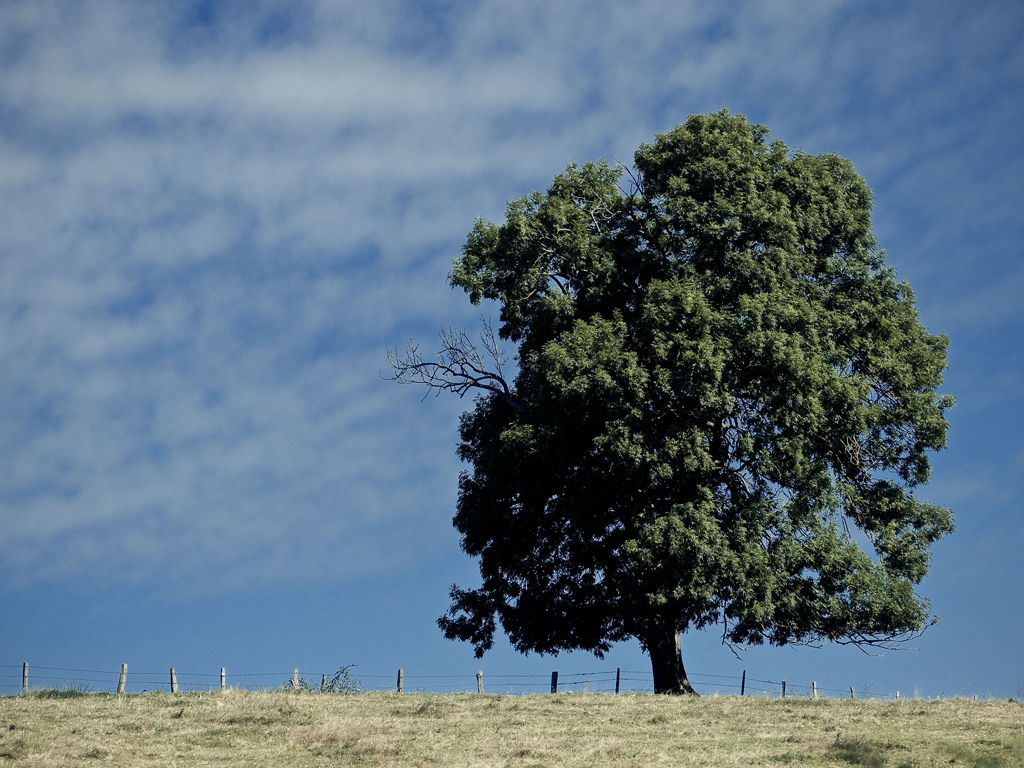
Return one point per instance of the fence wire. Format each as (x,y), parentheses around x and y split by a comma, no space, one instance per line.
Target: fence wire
(599,681)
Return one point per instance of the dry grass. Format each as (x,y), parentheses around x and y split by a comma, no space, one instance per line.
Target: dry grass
(238,728)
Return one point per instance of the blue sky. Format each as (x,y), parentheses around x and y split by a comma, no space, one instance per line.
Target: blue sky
(216,217)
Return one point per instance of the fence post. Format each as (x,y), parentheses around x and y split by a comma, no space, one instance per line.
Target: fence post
(852,694)
(480,681)
(223,679)
(399,681)
(897,695)
(814,689)
(783,689)
(24,677)
(174,681)
(554,682)
(743,683)
(323,682)
(295,678)
(122,679)
(617,673)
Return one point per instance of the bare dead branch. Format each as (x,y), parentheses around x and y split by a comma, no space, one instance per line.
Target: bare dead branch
(459,366)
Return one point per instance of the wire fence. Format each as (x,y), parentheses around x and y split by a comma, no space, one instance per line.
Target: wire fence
(20,678)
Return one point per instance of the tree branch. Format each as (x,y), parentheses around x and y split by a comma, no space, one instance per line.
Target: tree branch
(459,367)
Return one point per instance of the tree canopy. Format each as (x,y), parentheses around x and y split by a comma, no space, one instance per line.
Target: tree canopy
(721,408)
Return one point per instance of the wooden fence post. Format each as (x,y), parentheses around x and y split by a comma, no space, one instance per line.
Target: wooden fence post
(122,679)
(783,689)
(743,683)
(295,678)
(174,681)
(323,682)
(24,677)
(617,673)
(897,695)
(480,681)
(554,682)
(814,689)
(223,679)
(399,681)
(852,694)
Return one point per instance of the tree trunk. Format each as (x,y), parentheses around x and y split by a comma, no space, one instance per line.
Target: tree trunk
(666,654)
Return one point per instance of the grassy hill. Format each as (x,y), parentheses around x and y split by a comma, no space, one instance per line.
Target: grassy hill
(301,730)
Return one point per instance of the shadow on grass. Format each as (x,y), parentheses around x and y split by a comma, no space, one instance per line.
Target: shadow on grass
(1008,754)
(67,692)
(861,751)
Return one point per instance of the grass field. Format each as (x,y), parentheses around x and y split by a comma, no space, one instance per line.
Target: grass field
(301,730)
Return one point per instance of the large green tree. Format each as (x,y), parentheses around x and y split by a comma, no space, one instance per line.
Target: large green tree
(721,408)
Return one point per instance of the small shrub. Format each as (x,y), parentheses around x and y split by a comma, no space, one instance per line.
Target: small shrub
(342,682)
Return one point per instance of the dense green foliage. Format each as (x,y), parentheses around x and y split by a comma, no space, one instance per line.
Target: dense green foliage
(723,407)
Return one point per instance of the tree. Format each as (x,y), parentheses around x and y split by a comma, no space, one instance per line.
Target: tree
(722,408)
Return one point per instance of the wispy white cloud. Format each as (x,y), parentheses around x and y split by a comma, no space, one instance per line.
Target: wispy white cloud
(212,228)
